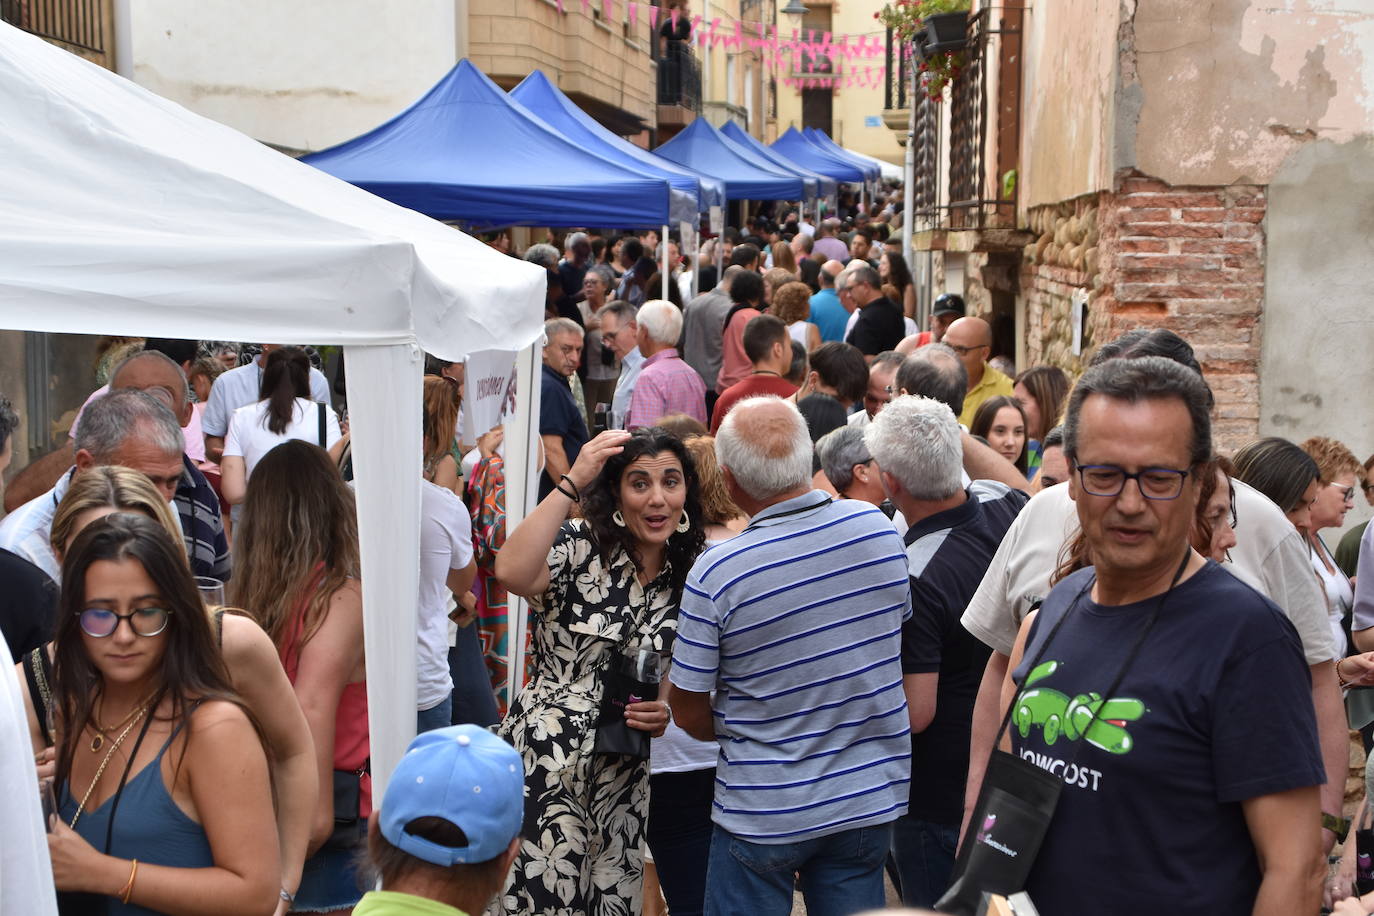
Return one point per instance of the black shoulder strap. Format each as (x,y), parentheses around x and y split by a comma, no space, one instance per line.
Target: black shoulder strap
(321,413)
(38,674)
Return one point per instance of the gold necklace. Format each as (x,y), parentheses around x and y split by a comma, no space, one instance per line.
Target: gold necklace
(114,746)
(102,730)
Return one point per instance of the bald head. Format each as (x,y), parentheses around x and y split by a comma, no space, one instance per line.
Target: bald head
(158,375)
(971,339)
(829,271)
(764,446)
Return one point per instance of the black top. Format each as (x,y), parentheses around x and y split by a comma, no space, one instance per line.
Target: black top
(879,327)
(28,604)
(559,416)
(947,555)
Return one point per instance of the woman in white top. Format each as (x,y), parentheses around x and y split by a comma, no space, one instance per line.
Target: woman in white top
(1340,472)
(283,412)
(682,770)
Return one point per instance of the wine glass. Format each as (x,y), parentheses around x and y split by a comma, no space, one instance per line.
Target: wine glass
(211,591)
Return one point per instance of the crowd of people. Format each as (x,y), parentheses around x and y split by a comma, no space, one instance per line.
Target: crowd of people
(819,602)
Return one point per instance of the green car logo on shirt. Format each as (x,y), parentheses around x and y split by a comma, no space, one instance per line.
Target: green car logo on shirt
(1058,715)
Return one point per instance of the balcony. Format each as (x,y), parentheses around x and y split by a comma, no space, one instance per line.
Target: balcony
(679,85)
(84,27)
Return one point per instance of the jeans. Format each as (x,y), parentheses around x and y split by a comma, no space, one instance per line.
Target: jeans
(473,701)
(841,873)
(679,835)
(427,720)
(923,855)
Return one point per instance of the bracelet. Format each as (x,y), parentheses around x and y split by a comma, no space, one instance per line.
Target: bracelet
(1340,826)
(287,896)
(575,495)
(128,890)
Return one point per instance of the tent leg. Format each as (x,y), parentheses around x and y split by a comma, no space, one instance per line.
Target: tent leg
(386,455)
(666,272)
(522,461)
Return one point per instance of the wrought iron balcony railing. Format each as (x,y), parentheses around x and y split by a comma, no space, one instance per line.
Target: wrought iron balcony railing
(79,23)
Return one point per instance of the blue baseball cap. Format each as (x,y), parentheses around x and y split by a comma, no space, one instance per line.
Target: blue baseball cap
(467,776)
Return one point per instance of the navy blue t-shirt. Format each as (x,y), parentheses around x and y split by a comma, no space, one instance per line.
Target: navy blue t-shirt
(947,555)
(559,416)
(1215,710)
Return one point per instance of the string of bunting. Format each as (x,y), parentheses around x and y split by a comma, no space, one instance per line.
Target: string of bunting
(820,60)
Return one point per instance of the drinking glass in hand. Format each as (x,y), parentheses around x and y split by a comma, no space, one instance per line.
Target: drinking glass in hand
(211,591)
(48,801)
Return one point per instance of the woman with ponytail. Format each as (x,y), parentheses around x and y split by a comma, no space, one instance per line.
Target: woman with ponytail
(283,411)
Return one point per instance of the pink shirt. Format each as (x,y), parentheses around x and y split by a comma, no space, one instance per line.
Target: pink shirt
(734,363)
(666,385)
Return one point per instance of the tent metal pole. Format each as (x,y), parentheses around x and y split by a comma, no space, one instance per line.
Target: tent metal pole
(666,278)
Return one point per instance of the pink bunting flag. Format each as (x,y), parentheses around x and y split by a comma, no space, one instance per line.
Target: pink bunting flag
(653,16)
(608,10)
(632,13)
(559,4)
(586,7)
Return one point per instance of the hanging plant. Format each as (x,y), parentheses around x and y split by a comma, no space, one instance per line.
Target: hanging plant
(936,44)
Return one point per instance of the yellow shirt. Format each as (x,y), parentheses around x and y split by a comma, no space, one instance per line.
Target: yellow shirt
(991,385)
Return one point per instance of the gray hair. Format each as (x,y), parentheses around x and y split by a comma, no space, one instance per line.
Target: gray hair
(767,456)
(605,273)
(863,273)
(110,420)
(572,239)
(918,441)
(624,311)
(661,320)
(181,395)
(556,326)
(543,254)
(934,371)
(840,450)
(1148,378)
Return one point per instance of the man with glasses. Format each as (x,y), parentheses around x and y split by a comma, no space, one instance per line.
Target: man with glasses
(971,340)
(1161,659)
(882,381)
(562,427)
(879,326)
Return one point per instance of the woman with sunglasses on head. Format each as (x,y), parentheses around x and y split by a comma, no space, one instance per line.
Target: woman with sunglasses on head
(254,669)
(1341,476)
(164,798)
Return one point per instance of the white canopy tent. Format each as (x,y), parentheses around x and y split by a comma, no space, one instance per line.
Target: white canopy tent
(123,213)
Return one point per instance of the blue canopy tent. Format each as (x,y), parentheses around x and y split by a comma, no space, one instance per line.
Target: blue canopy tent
(702,148)
(825,185)
(820,138)
(802,151)
(550,105)
(467,152)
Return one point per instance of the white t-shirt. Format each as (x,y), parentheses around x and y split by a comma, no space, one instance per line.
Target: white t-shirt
(1339,596)
(240,387)
(250,439)
(445,544)
(1269,555)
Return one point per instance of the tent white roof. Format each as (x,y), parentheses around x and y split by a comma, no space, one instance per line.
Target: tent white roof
(122,213)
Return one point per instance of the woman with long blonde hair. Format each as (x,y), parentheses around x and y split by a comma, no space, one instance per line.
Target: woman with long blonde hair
(295,569)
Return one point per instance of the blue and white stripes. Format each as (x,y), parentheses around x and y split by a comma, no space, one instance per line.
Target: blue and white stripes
(796,624)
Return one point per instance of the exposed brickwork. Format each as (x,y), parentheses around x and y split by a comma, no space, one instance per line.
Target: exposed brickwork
(1189,259)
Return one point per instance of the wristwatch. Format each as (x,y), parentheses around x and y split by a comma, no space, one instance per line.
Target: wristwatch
(1340,826)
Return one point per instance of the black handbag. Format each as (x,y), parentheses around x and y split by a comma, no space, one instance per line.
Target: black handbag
(1017,800)
(348,790)
(621,684)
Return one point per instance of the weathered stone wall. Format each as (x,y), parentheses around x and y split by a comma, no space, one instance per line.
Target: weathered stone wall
(1190,259)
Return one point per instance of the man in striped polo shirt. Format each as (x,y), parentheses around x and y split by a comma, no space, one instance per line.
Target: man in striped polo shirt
(795,624)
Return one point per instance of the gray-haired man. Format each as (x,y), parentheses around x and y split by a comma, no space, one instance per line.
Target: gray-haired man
(795,624)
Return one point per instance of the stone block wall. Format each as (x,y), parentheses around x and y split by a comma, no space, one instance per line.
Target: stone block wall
(1190,259)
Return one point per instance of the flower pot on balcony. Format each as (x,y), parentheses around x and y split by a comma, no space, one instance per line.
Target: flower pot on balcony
(943,33)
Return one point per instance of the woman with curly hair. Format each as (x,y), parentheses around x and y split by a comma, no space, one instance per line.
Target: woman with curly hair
(1341,476)
(603,588)
(792,304)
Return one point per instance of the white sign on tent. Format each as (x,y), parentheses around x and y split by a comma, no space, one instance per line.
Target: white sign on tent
(489,392)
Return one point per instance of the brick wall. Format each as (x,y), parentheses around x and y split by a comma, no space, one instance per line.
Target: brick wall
(1190,259)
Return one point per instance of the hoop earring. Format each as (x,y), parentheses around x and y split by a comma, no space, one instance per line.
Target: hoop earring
(685,525)
(618,519)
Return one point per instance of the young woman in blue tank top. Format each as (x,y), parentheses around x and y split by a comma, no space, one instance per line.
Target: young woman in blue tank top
(164,799)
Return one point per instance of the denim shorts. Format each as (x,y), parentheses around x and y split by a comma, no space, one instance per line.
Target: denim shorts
(330,881)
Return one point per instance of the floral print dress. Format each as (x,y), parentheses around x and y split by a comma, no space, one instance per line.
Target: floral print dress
(584,812)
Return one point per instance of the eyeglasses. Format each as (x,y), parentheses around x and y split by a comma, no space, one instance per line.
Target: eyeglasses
(1347,493)
(146,621)
(1110,480)
(965,351)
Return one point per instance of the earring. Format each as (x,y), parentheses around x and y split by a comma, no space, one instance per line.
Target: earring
(685,525)
(618,518)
